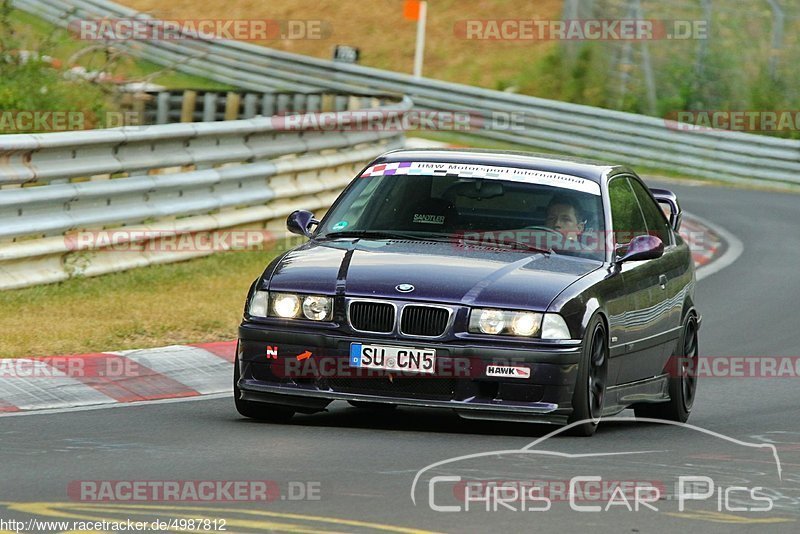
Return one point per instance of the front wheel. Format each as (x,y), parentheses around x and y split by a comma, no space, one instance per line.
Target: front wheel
(590,387)
(682,382)
(257,410)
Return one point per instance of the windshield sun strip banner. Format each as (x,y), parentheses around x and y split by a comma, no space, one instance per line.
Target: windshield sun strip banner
(465,170)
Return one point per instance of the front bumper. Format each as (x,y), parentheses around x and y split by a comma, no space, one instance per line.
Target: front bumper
(271,372)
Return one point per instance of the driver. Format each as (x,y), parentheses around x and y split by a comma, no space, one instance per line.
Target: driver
(565,215)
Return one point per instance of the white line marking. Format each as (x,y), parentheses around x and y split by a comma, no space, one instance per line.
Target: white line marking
(735,248)
(212,396)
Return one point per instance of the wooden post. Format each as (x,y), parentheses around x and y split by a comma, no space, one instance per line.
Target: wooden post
(232,106)
(187,106)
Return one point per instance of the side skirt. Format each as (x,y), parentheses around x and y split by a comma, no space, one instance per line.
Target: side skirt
(619,397)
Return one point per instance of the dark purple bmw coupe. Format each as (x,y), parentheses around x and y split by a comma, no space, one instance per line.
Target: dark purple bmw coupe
(500,285)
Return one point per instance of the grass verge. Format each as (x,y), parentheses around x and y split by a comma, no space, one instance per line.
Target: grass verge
(189,302)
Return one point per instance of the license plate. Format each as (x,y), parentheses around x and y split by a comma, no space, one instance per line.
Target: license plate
(392,358)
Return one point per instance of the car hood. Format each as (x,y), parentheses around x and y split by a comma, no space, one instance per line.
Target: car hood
(439,272)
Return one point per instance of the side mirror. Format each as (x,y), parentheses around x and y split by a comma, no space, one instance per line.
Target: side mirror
(643,247)
(667,198)
(299,221)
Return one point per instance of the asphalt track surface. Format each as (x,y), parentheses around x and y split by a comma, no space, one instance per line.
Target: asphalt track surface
(364,463)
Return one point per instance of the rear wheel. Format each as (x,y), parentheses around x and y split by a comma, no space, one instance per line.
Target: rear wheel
(590,387)
(257,410)
(682,383)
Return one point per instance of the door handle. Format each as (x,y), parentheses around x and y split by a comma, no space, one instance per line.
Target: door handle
(662,280)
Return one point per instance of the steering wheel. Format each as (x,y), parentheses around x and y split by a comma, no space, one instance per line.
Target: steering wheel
(545,228)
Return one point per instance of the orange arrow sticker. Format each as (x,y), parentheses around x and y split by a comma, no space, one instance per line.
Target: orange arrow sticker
(304,355)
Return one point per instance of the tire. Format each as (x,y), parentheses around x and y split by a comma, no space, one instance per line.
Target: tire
(377,406)
(590,386)
(683,379)
(258,410)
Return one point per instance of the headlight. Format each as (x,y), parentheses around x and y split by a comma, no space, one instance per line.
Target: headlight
(317,308)
(286,305)
(526,324)
(515,323)
(291,306)
(258,304)
(491,321)
(554,327)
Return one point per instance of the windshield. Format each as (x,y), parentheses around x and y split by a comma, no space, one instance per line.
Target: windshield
(479,205)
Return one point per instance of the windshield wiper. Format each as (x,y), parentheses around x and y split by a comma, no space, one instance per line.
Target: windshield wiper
(525,246)
(383,234)
(440,238)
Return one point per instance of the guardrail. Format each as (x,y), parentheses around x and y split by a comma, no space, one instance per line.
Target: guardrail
(186,105)
(550,125)
(168,180)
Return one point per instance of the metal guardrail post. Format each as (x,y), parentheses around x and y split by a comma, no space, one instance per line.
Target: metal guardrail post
(268,105)
(341,103)
(162,111)
(250,105)
(314,103)
(299,103)
(209,107)
(282,104)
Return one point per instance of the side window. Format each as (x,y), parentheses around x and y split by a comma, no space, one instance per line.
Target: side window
(625,213)
(656,223)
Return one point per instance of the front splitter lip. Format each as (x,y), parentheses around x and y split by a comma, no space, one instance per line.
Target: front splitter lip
(535,412)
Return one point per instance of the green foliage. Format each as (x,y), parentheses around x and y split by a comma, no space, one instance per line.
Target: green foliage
(735,69)
(36,86)
(29,83)
(578,77)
